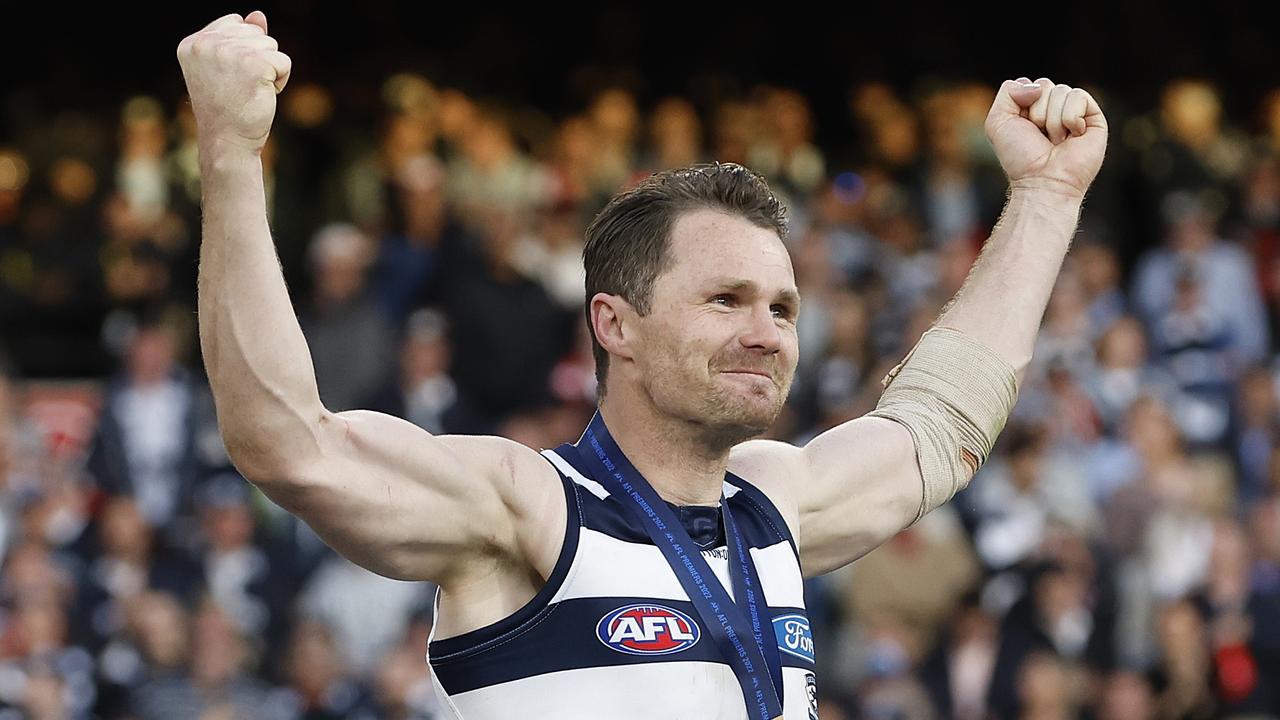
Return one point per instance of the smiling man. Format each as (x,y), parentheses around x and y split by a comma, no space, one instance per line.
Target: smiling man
(654,568)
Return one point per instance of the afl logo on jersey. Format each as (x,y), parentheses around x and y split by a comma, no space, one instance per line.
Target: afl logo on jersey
(648,630)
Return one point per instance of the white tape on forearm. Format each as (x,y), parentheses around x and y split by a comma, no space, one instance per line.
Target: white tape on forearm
(954,395)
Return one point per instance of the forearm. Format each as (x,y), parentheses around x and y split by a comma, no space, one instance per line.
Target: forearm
(257,359)
(956,388)
(1003,300)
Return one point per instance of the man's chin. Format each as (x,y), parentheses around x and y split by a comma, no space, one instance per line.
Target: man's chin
(743,421)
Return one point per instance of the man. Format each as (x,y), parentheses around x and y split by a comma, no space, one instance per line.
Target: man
(555,598)
(147,443)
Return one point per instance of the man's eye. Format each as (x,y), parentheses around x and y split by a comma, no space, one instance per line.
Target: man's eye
(726,300)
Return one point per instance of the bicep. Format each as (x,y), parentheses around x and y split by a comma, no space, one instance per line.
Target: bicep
(860,486)
(403,503)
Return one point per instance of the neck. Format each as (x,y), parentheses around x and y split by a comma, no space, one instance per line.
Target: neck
(669,452)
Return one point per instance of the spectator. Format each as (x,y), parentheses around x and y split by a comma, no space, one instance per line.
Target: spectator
(889,689)
(1122,372)
(216,681)
(403,687)
(153,644)
(1019,496)
(422,391)
(418,229)
(616,120)
(1099,273)
(1257,427)
(1065,338)
(236,574)
(787,155)
(51,674)
(146,446)
(1127,695)
(891,581)
(414,115)
(552,255)
(1183,686)
(130,561)
(349,339)
(960,196)
(1193,341)
(1045,690)
(506,333)
(366,613)
(1222,271)
(319,682)
(490,172)
(675,135)
(960,671)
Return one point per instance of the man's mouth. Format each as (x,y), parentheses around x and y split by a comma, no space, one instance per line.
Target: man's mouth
(746,371)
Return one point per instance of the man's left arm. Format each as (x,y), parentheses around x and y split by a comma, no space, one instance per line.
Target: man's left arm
(863,481)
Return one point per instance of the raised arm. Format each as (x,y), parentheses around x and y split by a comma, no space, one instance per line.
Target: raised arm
(1050,139)
(863,481)
(382,492)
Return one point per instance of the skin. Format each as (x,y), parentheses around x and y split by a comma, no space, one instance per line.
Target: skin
(711,363)
(707,368)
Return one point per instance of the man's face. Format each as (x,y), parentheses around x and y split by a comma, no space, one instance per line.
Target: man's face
(719,343)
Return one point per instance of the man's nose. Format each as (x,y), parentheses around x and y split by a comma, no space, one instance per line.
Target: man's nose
(762,331)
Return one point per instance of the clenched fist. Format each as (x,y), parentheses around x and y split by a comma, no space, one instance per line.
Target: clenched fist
(1047,136)
(233,71)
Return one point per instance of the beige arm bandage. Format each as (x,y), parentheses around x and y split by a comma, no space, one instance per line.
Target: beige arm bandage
(954,394)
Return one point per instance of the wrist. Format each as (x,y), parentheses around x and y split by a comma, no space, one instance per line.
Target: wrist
(1053,196)
(1047,191)
(223,154)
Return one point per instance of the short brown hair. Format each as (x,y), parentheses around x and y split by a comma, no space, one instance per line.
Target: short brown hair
(627,243)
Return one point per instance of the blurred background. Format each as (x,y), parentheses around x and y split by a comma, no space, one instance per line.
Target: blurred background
(430,174)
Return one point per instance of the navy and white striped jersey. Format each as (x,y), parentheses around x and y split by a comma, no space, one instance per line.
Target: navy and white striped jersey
(613,634)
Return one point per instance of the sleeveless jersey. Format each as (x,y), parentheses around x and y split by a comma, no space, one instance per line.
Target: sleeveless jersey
(613,635)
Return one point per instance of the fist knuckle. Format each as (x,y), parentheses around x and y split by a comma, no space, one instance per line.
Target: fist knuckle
(202,44)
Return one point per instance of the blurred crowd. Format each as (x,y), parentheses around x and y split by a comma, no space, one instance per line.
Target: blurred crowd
(1117,558)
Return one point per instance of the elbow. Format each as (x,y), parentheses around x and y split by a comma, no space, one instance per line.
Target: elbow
(256,467)
(268,450)
(271,474)
(281,467)
(284,484)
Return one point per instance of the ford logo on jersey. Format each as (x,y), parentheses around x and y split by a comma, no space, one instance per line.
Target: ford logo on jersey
(647,630)
(794,637)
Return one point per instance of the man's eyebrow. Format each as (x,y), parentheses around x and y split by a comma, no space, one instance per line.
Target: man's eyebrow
(733,284)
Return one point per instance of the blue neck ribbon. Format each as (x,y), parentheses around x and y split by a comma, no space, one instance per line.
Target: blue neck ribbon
(741,630)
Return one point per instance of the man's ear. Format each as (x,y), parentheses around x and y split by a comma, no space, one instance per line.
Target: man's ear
(612,319)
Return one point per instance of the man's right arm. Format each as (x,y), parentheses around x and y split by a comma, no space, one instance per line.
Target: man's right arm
(381,491)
